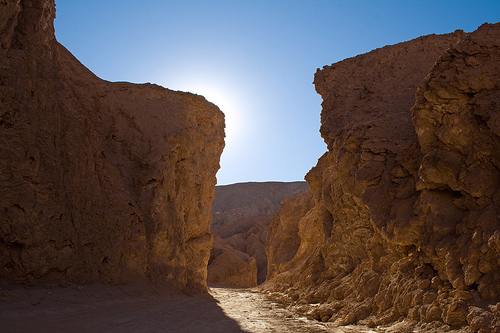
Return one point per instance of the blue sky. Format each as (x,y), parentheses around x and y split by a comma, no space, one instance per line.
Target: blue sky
(254,59)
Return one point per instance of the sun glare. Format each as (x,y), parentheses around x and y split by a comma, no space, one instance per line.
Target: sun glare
(222,91)
(229,107)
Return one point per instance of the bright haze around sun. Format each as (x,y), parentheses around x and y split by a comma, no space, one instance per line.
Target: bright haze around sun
(254,59)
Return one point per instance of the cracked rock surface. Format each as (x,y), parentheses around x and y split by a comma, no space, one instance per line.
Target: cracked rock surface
(99,181)
(405,218)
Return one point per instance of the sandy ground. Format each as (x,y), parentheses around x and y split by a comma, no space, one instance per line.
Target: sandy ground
(71,308)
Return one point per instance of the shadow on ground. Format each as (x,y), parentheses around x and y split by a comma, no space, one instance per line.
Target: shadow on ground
(108,309)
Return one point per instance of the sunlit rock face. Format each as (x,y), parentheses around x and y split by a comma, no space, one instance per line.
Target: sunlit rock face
(283,238)
(99,181)
(241,215)
(406,200)
(230,266)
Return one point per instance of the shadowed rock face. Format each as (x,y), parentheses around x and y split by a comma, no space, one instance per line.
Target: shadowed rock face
(405,215)
(457,120)
(99,181)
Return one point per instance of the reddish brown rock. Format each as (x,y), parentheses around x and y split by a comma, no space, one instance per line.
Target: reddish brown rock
(230,266)
(99,181)
(239,201)
(249,241)
(457,117)
(405,216)
(283,239)
(241,215)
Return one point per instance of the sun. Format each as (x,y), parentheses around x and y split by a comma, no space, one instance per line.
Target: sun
(229,106)
(225,92)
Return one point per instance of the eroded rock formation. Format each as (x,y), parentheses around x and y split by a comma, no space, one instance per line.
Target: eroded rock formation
(284,230)
(241,215)
(406,200)
(99,181)
(230,266)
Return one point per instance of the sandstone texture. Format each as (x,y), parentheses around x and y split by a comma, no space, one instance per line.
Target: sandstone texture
(404,222)
(99,181)
(284,230)
(241,215)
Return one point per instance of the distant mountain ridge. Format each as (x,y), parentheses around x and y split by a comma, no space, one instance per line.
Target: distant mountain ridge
(241,200)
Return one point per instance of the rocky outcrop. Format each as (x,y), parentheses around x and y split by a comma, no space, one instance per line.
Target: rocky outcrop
(457,120)
(99,181)
(241,215)
(283,241)
(405,215)
(245,242)
(230,266)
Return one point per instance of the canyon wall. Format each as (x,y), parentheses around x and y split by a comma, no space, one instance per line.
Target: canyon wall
(404,219)
(241,215)
(99,181)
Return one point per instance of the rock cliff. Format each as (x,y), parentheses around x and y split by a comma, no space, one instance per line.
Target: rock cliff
(241,215)
(99,181)
(404,219)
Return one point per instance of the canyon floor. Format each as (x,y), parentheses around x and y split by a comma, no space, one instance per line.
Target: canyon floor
(71,308)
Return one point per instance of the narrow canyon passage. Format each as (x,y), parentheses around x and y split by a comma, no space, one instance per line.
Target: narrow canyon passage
(98,308)
(257,312)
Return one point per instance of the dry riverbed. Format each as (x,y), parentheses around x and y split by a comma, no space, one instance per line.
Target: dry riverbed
(71,308)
